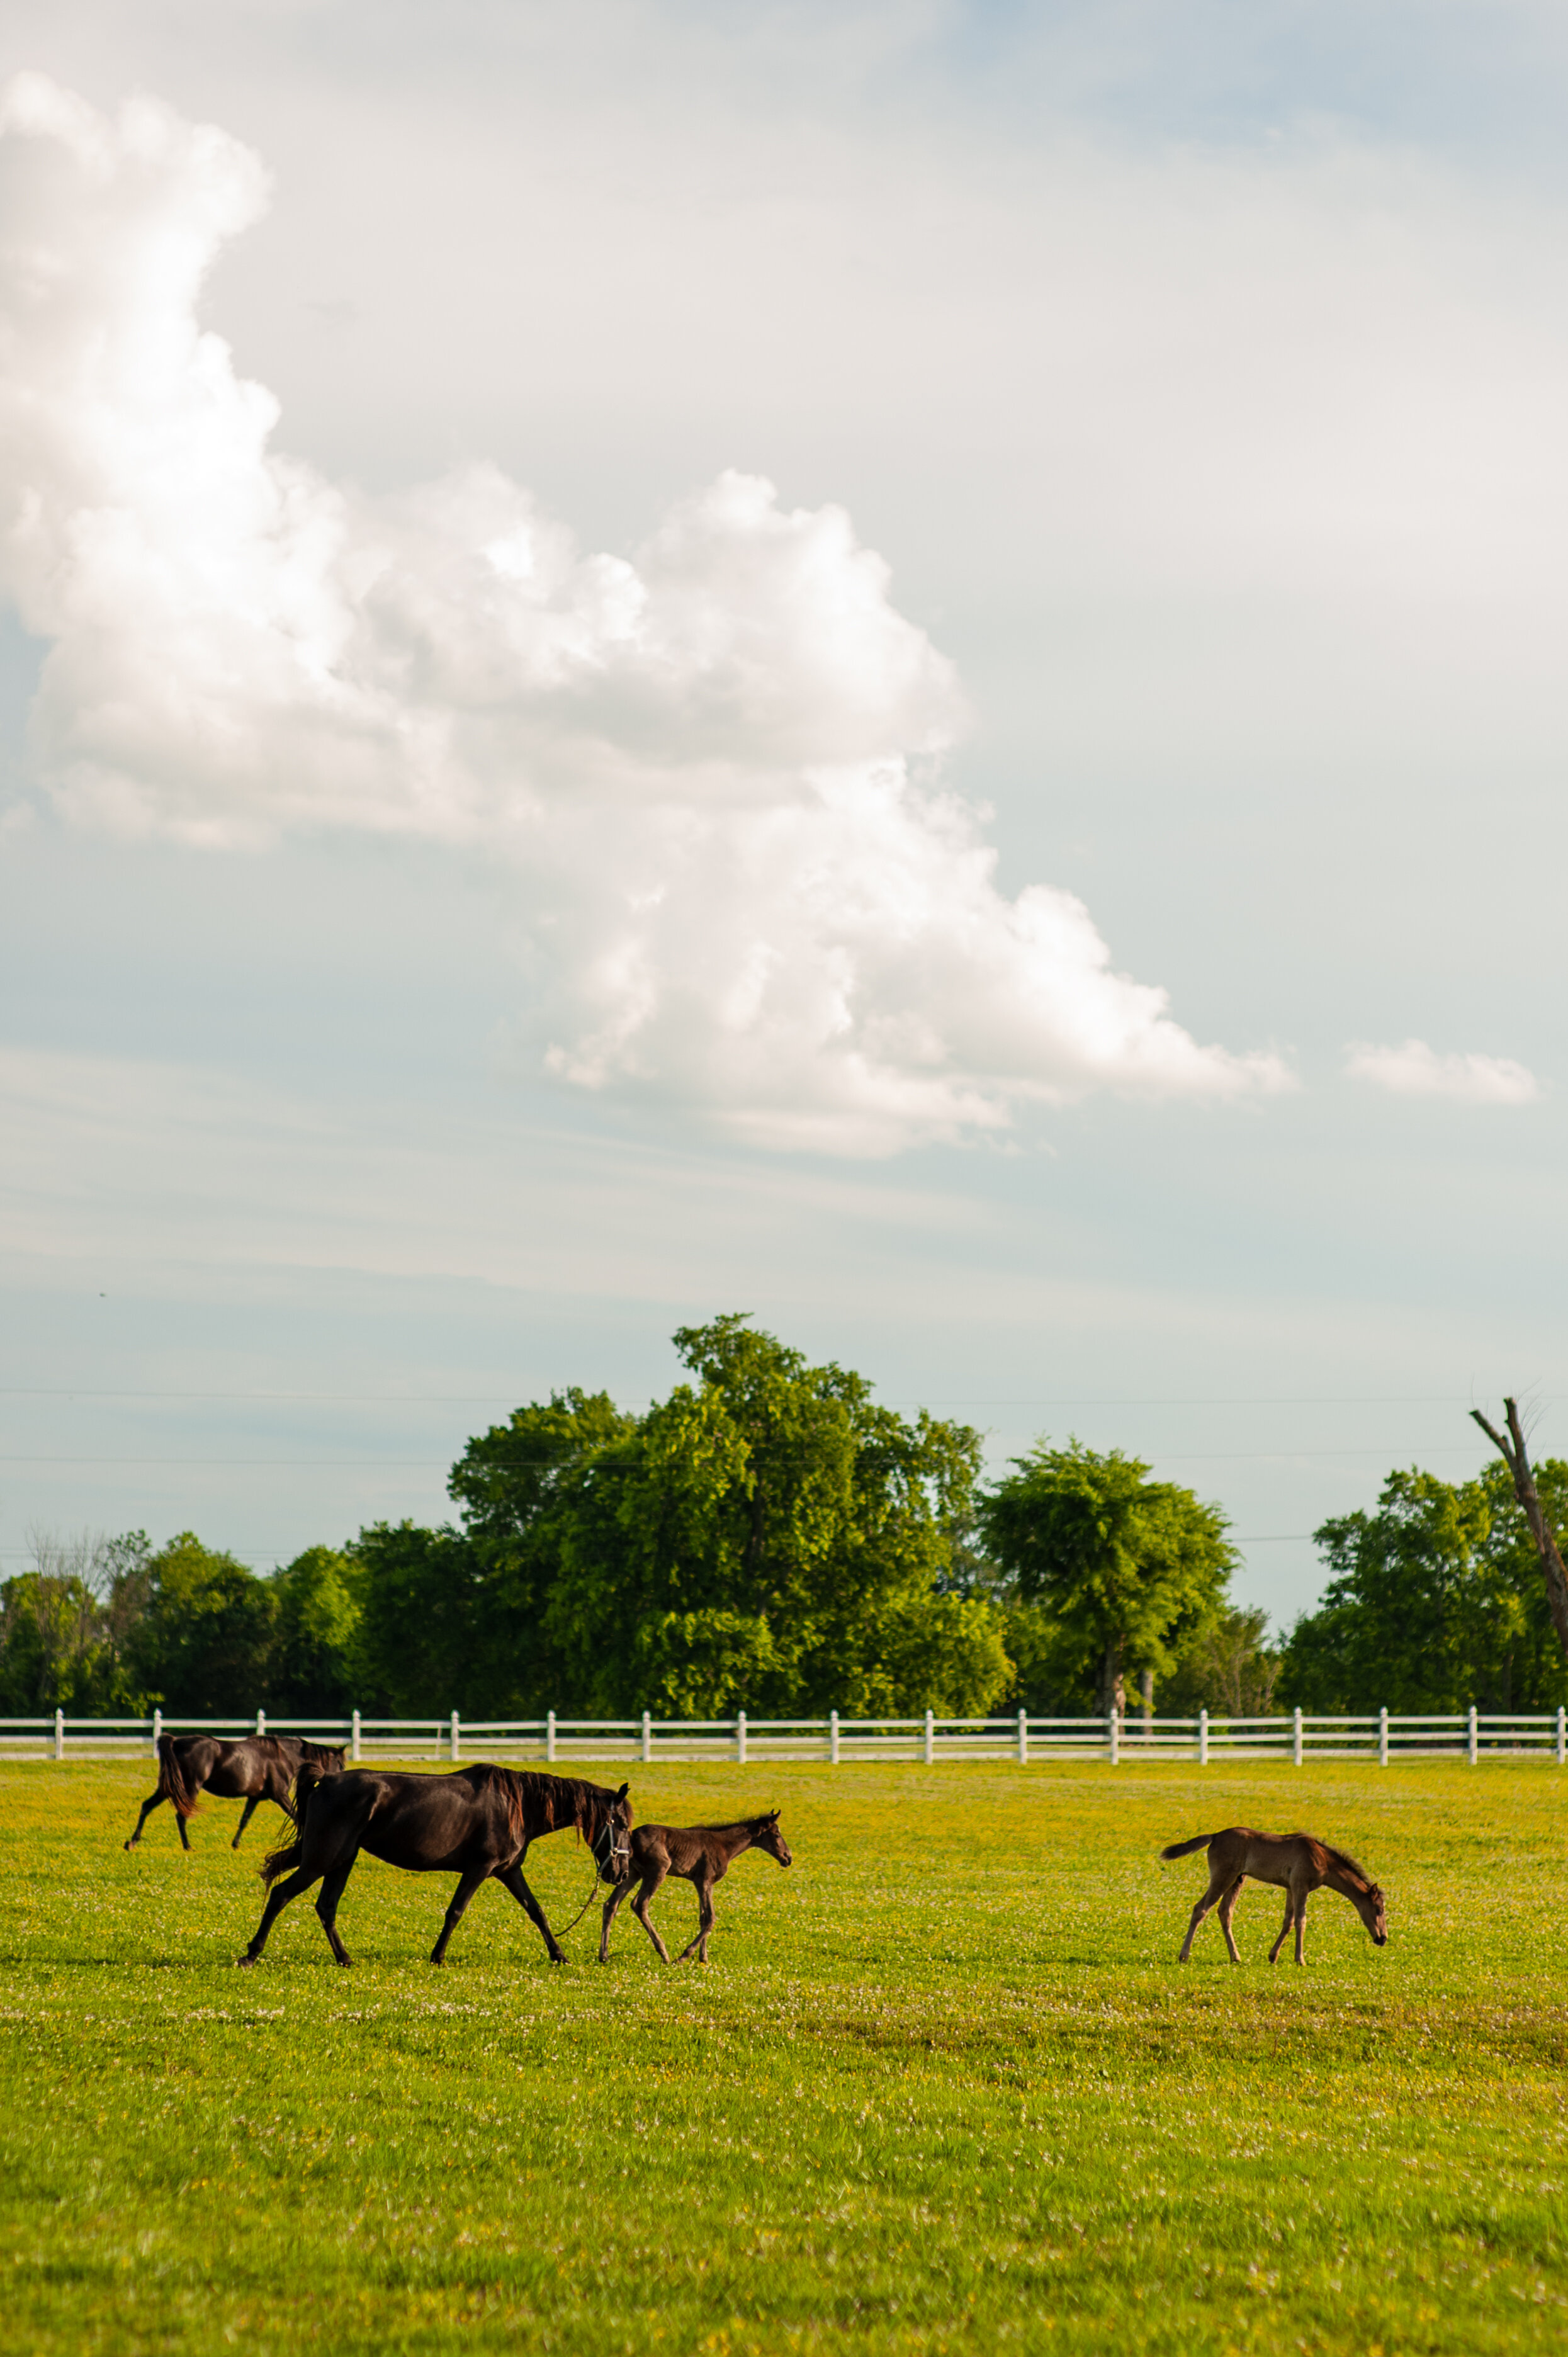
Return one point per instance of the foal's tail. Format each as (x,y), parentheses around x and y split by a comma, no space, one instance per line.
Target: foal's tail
(1185,1849)
(172,1785)
(279,1862)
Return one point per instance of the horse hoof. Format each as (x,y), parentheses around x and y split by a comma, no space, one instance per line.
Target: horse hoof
(241,1963)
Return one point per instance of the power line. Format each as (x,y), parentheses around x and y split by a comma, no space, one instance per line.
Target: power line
(484,1399)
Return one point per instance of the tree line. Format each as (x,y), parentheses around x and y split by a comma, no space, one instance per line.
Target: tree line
(770,1538)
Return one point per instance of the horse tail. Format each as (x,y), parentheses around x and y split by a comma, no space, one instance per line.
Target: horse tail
(279,1862)
(172,1785)
(1185,1849)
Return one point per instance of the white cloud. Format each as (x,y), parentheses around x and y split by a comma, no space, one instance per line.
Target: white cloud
(710,767)
(1417,1070)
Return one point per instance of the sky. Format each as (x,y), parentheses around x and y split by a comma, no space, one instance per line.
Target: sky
(898,667)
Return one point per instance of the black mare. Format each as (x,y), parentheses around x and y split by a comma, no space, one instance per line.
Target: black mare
(476,1823)
(249,1768)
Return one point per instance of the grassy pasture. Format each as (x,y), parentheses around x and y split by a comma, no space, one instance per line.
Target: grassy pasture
(943,2087)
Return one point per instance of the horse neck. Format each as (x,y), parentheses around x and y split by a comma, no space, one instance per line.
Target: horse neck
(1350,1886)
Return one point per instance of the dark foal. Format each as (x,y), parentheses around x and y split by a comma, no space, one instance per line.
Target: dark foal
(476,1823)
(698,1854)
(1296,1862)
(249,1768)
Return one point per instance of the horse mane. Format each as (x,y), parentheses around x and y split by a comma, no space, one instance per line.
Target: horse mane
(320,1754)
(1347,1864)
(560,1800)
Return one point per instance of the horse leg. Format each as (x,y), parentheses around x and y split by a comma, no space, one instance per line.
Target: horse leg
(326,1898)
(611,1904)
(460,1898)
(1217,1887)
(1226,1909)
(512,1880)
(278,1898)
(705,1924)
(250,1807)
(1284,1927)
(147,1808)
(640,1905)
(1300,1929)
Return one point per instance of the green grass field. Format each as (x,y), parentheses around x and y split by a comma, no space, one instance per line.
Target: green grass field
(944,2086)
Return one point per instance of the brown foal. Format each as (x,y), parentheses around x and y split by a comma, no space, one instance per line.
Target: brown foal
(698,1854)
(1297,1862)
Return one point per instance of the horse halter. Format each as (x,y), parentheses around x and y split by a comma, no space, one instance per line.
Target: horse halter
(612,1850)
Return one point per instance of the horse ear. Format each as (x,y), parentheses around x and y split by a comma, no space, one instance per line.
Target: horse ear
(622,1794)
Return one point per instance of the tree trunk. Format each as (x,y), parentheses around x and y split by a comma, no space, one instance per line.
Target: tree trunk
(1517,1460)
(1113,1688)
(1147,1682)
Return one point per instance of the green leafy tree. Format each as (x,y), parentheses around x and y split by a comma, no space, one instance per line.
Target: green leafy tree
(770,1538)
(423,1635)
(64,1627)
(203,1644)
(1117,1569)
(316,1652)
(1225,1665)
(1435,1602)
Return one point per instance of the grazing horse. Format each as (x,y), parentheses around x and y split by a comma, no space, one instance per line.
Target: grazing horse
(698,1854)
(1297,1862)
(249,1768)
(476,1823)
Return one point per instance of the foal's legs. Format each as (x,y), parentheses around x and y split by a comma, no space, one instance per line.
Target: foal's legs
(460,1898)
(705,1923)
(250,1807)
(512,1880)
(1218,1883)
(1226,1909)
(652,1876)
(611,1904)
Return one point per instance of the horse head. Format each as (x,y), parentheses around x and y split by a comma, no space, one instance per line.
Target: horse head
(1372,1909)
(610,1839)
(769,1838)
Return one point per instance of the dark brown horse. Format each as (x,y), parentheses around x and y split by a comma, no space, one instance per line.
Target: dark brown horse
(249,1768)
(698,1854)
(476,1823)
(1297,1863)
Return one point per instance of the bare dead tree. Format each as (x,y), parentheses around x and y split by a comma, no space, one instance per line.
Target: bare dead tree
(1516,1457)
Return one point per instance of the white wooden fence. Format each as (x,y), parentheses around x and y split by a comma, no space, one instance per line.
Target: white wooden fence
(1378,1735)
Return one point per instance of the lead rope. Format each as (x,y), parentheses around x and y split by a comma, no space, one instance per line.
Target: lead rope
(614,1858)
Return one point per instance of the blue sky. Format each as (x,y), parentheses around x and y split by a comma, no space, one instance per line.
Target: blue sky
(1196,375)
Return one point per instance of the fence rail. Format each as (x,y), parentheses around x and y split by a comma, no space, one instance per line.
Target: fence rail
(1380,1735)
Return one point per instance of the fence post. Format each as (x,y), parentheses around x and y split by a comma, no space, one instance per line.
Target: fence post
(158,1729)
(833,1736)
(550,1735)
(740,1736)
(930,1739)
(261,1722)
(1383,1737)
(354,1746)
(1561,1735)
(1023,1739)
(1295,1737)
(1203,1739)
(1113,1730)
(456,1737)
(1474,1746)
(647,1735)
(59,1734)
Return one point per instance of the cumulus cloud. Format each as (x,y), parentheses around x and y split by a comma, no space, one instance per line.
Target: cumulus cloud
(712,767)
(1417,1070)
